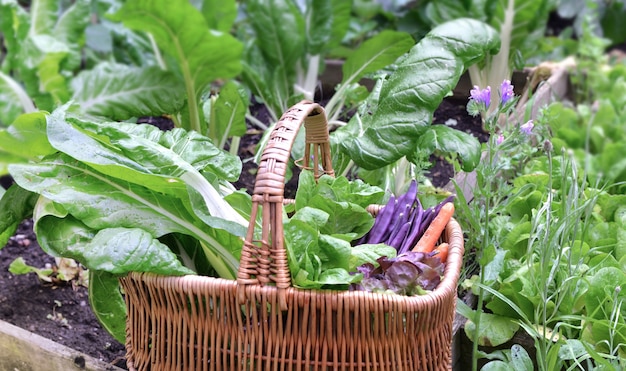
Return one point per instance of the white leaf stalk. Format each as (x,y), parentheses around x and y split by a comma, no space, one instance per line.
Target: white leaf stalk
(216,205)
(306,84)
(497,67)
(19,93)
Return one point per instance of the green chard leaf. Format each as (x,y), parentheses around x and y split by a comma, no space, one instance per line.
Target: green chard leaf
(282,26)
(161,166)
(14,25)
(120,92)
(43,16)
(13,100)
(120,175)
(226,114)
(220,14)
(376,53)
(327,22)
(25,139)
(16,204)
(410,95)
(179,29)
(107,303)
(100,202)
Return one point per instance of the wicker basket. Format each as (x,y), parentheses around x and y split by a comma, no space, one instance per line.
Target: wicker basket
(260,322)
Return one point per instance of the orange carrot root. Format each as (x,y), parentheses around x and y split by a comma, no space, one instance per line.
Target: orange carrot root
(430,237)
(441,251)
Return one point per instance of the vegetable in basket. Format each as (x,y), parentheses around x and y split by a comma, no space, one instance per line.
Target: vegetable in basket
(419,263)
(329,215)
(334,242)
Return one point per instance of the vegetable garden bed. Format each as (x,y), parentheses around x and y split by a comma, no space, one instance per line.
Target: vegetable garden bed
(99,343)
(83,333)
(389,138)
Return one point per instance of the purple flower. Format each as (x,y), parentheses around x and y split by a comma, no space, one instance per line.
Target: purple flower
(506,91)
(527,128)
(481,96)
(500,139)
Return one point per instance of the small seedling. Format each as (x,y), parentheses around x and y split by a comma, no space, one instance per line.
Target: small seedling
(57,316)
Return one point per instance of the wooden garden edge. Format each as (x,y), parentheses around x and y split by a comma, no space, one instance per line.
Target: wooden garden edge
(24,350)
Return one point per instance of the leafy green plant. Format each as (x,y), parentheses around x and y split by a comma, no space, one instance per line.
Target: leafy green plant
(42,49)
(182,32)
(546,241)
(520,23)
(121,197)
(182,55)
(607,16)
(394,123)
(329,215)
(286,46)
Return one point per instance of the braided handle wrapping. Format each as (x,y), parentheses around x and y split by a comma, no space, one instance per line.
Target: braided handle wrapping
(265,261)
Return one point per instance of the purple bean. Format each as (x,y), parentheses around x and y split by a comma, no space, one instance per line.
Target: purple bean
(397,225)
(413,236)
(440,205)
(410,196)
(427,218)
(399,238)
(381,222)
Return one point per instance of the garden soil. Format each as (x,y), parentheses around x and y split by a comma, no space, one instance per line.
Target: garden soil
(60,311)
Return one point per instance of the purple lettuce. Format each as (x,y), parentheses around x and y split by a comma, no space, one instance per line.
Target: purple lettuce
(410,273)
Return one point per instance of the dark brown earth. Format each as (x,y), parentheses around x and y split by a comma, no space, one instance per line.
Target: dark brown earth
(61,312)
(58,312)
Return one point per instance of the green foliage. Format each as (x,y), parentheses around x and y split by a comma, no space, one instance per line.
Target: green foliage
(329,215)
(551,254)
(395,120)
(119,197)
(520,23)
(286,46)
(181,31)
(121,92)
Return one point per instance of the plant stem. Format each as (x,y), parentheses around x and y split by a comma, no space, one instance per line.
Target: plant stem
(157,52)
(234,145)
(484,245)
(256,122)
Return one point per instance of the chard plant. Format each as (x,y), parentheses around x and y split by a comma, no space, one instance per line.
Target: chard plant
(287,41)
(179,55)
(121,197)
(391,133)
(40,50)
(521,25)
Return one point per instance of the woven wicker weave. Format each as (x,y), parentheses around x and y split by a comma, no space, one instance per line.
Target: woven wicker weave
(260,322)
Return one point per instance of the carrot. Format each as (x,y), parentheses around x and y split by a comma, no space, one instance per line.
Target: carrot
(441,251)
(427,242)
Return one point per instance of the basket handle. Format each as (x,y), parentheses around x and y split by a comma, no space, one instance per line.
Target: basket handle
(265,260)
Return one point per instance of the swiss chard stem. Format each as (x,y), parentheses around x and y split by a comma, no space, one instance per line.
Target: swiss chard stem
(192,99)
(234,145)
